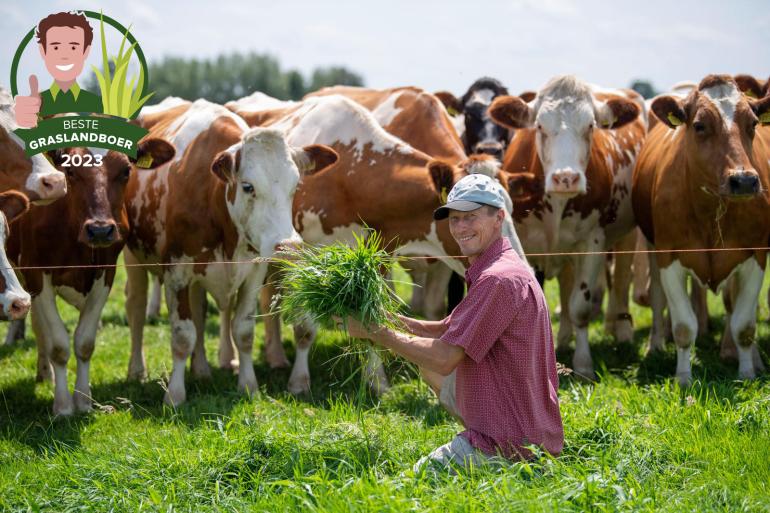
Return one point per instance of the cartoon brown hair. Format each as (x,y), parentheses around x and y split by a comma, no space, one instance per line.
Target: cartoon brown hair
(65,19)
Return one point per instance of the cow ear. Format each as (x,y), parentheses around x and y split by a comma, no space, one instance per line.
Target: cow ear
(669,110)
(56,157)
(13,204)
(511,112)
(528,96)
(223,166)
(443,177)
(616,112)
(314,158)
(762,109)
(749,85)
(153,152)
(524,186)
(450,101)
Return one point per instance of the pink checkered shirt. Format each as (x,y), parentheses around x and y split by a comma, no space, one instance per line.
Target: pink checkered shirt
(506,389)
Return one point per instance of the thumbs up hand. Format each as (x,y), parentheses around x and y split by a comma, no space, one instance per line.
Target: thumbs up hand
(28,107)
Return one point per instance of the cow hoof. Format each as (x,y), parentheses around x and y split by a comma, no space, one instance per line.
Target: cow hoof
(684,379)
(276,360)
(756,359)
(653,346)
(642,299)
(584,373)
(299,384)
(379,388)
(229,364)
(175,397)
(44,373)
(201,369)
(137,374)
(748,374)
(728,354)
(63,405)
(624,331)
(247,386)
(83,402)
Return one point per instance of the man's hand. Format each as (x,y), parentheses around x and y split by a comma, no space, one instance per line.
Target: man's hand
(356,329)
(28,107)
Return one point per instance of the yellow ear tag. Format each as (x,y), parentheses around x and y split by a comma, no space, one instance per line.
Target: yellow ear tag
(673,119)
(765,118)
(444,195)
(452,111)
(608,124)
(145,161)
(750,93)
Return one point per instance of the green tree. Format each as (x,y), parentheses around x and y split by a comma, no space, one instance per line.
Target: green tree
(644,87)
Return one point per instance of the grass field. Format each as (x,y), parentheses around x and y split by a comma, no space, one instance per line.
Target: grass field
(634,441)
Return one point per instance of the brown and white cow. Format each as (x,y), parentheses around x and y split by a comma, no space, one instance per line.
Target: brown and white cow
(570,165)
(380,181)
(34,176)
(701,182)
(14,300)
(87,227)
(224,201)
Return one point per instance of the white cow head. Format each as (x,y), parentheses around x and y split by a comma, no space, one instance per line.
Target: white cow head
(564,114)
(262,172)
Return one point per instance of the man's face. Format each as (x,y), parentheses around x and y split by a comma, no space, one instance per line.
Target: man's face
(474,231)
(64,53)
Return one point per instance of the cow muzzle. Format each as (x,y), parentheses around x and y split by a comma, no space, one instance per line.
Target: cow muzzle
(495,149)
(49,188)
(17,307)
(743,183)
(101,233)
(565,182)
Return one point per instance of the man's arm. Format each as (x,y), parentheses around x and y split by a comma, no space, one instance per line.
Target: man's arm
(430,353)
(420,328)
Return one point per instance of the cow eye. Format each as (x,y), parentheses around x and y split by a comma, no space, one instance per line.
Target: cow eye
(125,173)
(699,127)
(247,187)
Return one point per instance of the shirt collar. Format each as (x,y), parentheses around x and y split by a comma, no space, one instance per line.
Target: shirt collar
(55,90)
(486,259)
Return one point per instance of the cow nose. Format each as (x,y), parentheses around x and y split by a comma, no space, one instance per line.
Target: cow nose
(494,149)
(565,181)
(743,183)
(100,232)
(18,308)
(54,185)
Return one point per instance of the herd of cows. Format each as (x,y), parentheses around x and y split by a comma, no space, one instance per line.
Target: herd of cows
(215,191)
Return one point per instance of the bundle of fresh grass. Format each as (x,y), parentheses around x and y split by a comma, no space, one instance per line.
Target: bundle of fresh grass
(339,280)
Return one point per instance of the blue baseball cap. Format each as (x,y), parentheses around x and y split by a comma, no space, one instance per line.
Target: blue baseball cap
(470,193)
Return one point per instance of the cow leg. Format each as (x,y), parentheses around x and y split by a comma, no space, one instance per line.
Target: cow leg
(641,266)
(684,324)
(597,293)
(455,292)
(587,270)
(226,350)
(618,317)
(566,280)
(243,327)
(743,321)
(182,338)
(699,299)
(136,303)
(418,273)
(56,338)
(199,365)
(657,303)
(156,295)
(436,286)
(44,369)
(304,335)
(727,349)
(16,331)
(274,352)
(85,340)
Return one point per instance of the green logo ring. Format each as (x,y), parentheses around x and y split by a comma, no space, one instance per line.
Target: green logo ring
(90,14)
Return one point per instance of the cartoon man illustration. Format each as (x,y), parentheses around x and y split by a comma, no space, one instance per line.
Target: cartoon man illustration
(64,42)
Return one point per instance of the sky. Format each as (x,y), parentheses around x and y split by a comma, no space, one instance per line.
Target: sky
(438,45)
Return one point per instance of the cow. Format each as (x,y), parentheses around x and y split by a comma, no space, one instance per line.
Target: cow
(419,119)
(14,300)
(380,182)
(701,182)
(34,176)
(224,201)
(88,227)
(479,133)
(569,170)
